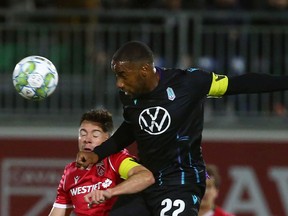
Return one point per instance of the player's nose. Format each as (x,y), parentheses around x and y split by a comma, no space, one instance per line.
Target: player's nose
(88,139)
(119,84)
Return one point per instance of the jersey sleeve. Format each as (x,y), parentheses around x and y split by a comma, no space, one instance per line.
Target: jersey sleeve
(122,163)
(206,83)
(126,165)
(218,86)
(256,83)
(62,198)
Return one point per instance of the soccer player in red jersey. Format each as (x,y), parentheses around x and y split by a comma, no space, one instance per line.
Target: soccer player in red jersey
(208,206)
(105,176)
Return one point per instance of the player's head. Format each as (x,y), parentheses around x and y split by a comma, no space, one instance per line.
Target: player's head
(96,126)
(133,65)
(212,187)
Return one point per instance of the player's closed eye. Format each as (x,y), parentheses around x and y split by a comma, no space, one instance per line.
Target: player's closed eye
(83,133)
(97,134)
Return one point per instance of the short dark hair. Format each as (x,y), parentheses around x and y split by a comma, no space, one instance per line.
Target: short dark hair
(100,116)
(213,172)
(134,51)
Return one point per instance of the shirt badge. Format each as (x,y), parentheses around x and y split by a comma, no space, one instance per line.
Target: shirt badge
(100,168)
(76,178)
(170,93)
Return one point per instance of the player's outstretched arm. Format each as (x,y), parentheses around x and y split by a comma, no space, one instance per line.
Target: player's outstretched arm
(138,179)
(256,83)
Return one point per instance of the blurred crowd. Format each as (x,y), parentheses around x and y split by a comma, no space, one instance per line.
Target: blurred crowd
(150,4)
(235,56)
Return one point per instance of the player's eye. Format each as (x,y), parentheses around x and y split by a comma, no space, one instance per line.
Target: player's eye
(82,133)
(121,75)
(96,134)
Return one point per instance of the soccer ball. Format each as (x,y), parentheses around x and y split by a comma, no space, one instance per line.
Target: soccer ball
(35,78)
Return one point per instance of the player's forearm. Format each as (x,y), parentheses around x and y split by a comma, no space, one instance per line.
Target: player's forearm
(139,179)
(256,83)
(134,183)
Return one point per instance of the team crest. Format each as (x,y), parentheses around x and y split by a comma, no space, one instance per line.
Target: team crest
(170,93)
(100,167)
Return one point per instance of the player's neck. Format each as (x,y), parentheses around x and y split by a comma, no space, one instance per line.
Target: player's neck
(154,79)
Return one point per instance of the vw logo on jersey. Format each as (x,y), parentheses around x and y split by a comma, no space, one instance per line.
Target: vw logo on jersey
(154,120)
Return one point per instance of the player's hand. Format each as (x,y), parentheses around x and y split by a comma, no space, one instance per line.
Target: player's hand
(97,197)
(86,159)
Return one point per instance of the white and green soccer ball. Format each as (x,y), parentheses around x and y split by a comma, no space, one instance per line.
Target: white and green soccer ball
(35,78)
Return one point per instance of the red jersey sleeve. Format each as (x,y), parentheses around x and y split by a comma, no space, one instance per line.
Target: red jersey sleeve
(62,198)
(116,159)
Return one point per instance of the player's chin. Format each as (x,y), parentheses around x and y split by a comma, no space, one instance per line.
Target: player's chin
(131,95)
(128,93)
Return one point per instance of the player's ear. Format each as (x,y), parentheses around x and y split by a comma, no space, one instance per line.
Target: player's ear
(145,69)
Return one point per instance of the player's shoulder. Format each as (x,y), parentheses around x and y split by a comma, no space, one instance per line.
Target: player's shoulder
(191,72)
(180,70)
(122,154)
(71,165)
(70,168)
(187,80)
(197,71)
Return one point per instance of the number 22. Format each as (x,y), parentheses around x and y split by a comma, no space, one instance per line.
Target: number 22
(168,205)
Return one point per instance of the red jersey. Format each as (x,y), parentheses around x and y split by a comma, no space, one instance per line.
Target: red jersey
(220,212)
(76,183)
